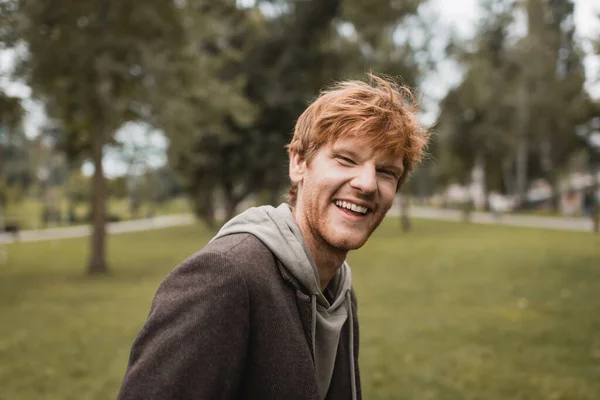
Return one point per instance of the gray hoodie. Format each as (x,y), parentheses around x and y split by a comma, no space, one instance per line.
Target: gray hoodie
(277,229)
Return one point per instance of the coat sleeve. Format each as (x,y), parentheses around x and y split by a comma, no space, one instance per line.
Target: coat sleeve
(193,344)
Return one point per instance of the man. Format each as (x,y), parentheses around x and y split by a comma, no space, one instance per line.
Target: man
(266,310)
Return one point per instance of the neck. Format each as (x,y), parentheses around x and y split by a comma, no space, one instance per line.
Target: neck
(327,265)
(328,259)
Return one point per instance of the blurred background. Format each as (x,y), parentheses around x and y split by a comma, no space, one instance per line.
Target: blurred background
(130,131)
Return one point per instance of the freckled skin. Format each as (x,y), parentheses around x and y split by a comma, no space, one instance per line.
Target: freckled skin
(345,170)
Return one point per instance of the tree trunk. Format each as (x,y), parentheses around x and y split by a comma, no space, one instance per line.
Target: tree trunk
(486,201)
(484,183)
(232,199)
(467,210)
(508,179)
(134,202)
(595,202)
(97,262)
(231,203)
(522,146)
(204,207)
(274,197)
(521,169)
(555,199)
(71,214)
(404,213)
(596,217)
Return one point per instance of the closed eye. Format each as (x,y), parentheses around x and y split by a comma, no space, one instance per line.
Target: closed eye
(389,173)
(345,160)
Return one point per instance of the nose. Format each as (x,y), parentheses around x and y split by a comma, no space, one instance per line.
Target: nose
(365,179)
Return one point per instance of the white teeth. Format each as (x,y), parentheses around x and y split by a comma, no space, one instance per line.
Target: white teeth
(350,206)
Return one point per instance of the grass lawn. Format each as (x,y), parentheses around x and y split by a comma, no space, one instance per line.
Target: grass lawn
(450,311)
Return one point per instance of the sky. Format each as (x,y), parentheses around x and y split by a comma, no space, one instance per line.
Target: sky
(457,15)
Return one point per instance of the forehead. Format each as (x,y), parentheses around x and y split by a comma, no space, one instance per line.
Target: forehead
(365,149)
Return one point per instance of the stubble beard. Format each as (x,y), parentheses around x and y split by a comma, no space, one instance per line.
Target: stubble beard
(325,233)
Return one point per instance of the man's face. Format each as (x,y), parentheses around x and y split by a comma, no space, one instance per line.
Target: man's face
(344,192)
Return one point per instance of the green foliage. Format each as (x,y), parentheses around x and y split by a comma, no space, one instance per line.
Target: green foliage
(95,65)
(382,40)
(554,77)
(117,187)
(78,187)
(92,62)
(16,173)
(450,311)
(157,186)
(17,161)
(224,82)
(11,114)
(516,112)
(474,127)
(269,67)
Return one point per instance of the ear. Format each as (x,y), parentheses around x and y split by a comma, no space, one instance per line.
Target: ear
(297,168)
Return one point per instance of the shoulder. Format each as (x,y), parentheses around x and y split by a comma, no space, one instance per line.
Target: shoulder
(240,254)
(238,246)
(238,249)
(205,285)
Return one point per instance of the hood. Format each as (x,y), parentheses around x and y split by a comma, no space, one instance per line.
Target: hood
(278,230)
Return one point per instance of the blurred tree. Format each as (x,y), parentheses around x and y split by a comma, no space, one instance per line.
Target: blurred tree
(117,187)
(15,174)
(589,133)
(278,54)
(17,166)
(11,112)
(474,130)
(594,151)
(387,36)
(206,99)
(77,192)
(553,80)
(52,172)
(515,112)
(137,154)
(157,187)
(93,63)
(241,151)
(14,145)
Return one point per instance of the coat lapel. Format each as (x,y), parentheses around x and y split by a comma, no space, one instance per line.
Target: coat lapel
(303,302)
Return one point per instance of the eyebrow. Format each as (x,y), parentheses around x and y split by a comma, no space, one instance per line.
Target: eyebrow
(337,150)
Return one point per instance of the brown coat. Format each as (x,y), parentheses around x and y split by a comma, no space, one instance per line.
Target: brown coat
(231,323)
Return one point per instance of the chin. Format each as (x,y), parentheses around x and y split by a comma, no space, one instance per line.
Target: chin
(347,243)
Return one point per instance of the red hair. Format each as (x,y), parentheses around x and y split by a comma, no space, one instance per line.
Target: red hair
(381,114)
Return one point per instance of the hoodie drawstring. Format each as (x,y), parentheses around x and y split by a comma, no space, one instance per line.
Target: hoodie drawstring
(351,320)
(313,300)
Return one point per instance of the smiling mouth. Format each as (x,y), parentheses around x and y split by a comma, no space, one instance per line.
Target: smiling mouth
(351,207)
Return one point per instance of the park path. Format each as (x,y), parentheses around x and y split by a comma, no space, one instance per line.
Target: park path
(556,223)
(36,235)
(528,221)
